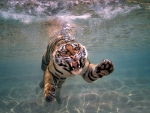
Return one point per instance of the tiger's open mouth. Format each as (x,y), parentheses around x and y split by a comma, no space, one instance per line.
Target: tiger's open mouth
(75,67)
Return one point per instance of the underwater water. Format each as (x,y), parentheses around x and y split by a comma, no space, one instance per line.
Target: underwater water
(115,29)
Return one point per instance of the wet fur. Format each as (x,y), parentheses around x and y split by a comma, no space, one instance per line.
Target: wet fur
(90,72)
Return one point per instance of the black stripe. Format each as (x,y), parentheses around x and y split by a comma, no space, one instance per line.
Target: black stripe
(55,81)
(61,81)
(54,75)
(92,75)
(84,73)
(57,69)
(51,73)
(86,69)
(62,78)
(67,70)
(57,75)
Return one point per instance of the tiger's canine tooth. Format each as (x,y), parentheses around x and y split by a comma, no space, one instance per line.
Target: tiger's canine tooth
(71,64)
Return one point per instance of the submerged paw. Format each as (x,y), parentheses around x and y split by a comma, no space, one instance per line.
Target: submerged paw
(50,97)
(49,92)
(105,68)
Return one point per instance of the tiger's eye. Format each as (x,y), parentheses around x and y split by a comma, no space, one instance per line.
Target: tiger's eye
(76,48)
(64,53)
(57,54)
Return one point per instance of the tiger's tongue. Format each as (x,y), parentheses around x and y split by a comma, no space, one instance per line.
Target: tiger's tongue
(74,64)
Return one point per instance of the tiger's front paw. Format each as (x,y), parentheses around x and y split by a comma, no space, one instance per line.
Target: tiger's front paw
(49,92)
(104,68)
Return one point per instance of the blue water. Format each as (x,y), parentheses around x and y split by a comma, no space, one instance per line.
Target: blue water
(115,29)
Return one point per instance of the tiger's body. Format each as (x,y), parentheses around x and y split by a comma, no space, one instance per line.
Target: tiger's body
(64,58)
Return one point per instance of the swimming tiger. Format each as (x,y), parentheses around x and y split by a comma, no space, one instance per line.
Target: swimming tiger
(66,57)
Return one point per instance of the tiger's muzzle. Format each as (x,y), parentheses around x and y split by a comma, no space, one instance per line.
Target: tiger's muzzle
(75,65)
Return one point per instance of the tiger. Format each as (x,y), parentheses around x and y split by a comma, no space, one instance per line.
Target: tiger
(65,57)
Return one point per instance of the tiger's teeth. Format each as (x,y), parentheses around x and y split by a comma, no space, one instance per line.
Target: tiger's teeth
(71,64)
(78,63)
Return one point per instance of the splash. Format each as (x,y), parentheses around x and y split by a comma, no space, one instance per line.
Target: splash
(85,16)
(111,12)
(21,17)
(28,11)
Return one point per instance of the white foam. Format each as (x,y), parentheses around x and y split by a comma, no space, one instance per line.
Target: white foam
(110,12)
(105,11)
(27,19)
(21,17)
(85,16)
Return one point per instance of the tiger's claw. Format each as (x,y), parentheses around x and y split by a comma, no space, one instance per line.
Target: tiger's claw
(50,97)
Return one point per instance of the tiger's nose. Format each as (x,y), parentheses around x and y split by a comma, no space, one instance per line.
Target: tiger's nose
(73,57)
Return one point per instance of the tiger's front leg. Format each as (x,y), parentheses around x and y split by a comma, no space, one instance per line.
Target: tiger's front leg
(49,87)
(95,72)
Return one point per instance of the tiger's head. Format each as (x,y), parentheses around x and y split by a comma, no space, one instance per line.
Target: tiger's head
(71,56)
